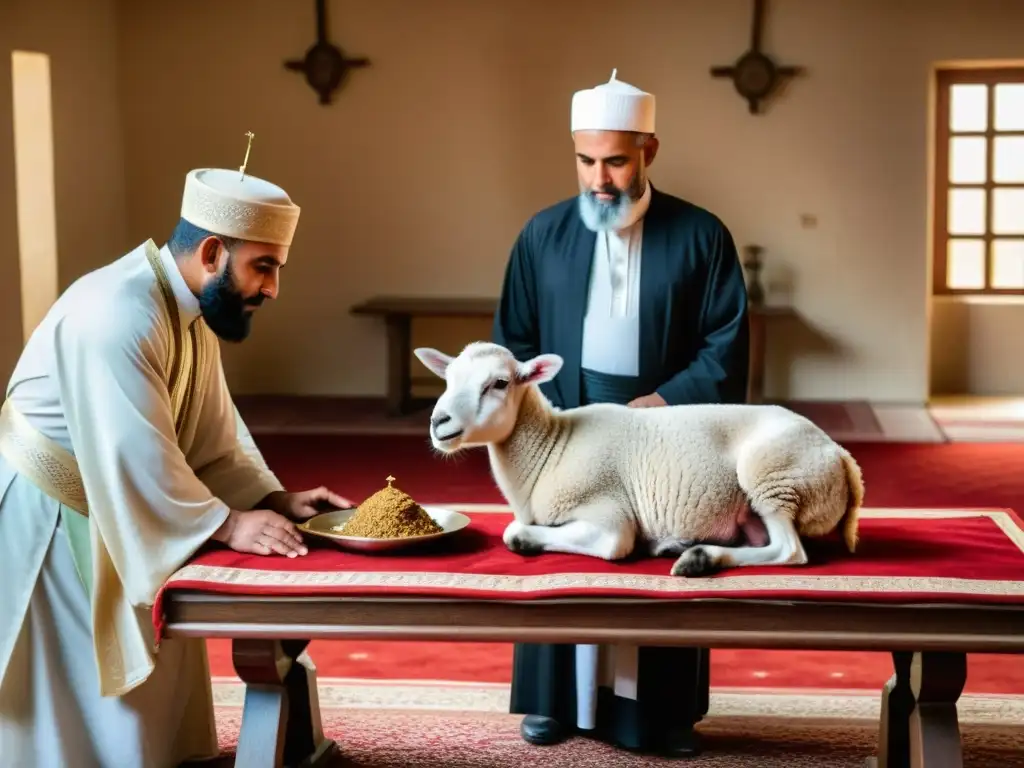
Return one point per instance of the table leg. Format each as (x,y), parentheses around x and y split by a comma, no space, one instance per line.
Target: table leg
(281,717)
(897,704)
(399,373)
(919,726)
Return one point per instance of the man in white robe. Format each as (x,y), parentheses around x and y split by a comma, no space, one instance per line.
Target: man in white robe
(122,453)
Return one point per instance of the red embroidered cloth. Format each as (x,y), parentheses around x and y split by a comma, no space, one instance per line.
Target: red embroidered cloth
(904,556)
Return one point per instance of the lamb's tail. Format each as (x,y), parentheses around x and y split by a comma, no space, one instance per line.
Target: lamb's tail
(855,498)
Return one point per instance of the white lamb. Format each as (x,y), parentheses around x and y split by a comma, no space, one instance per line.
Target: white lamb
(718,485)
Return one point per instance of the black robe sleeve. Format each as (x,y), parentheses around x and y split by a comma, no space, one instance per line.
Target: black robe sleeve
(720,371)
(516,325)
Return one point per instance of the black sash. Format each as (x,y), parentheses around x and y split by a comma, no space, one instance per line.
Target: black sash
(609,388)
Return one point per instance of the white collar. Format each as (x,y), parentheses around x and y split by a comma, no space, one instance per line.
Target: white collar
(188,302)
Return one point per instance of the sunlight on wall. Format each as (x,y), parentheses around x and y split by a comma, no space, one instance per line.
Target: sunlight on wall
(34,185)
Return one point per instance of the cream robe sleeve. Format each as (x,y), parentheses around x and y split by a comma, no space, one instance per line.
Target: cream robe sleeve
(148,507)
(230,465)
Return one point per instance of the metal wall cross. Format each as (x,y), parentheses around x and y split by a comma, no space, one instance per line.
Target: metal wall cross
(325,65)
(755,75)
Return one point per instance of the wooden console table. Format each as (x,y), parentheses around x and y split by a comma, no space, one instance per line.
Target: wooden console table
(759,319)
(399,312)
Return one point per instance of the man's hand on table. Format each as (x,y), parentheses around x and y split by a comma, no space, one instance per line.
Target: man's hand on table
(260,532)
(305,504)
(271,528)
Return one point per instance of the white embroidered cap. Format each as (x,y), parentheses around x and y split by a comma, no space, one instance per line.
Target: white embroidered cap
(613,106)
(235,205)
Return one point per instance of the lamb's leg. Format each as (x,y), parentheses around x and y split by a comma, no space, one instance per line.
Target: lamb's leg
(783,548)
(669,546)
(607,536)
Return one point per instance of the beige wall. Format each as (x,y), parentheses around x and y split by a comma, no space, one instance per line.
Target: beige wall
(978,347)
(80,36)
(418,178)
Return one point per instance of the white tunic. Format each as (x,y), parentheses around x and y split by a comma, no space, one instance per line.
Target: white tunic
(123,374)
(611,344)
(611,326)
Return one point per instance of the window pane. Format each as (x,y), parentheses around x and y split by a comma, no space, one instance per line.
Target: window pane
(1008,264)
(968,108)
(1010,107)
(966,215)
(967,157)
(1008,211)
(1008,159)
(965,264)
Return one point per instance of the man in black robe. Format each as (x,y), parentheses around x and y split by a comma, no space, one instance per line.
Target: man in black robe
(642,295)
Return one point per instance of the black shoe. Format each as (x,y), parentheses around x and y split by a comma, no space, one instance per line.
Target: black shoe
(682,742)
(541,731)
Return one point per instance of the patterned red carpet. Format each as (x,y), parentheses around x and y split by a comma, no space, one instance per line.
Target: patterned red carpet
(903,475)
(395,739)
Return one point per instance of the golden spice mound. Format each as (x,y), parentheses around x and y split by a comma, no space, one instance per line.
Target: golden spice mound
(389,514)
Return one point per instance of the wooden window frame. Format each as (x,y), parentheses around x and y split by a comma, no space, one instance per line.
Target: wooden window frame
(944,80)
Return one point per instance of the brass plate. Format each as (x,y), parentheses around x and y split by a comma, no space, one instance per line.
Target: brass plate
(321,526)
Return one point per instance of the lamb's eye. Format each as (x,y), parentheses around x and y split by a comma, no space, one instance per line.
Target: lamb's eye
(500,384)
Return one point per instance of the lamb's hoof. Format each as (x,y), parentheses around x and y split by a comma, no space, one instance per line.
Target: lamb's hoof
(518,540)
(522,545)
(694,562)
(669,547)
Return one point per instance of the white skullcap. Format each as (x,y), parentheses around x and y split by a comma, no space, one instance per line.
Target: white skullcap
(231,204)
(613,106)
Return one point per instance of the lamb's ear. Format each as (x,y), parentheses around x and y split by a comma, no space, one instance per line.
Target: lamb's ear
(435,360)
(540,369)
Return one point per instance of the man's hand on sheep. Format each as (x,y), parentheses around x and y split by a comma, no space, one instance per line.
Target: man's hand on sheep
(653,400)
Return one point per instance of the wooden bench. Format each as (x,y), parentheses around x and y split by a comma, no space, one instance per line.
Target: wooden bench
(399,312)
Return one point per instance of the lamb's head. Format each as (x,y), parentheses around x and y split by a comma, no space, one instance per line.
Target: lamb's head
(484,386)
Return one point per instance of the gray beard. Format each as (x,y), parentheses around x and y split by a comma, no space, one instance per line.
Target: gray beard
(610,215)
(604,216)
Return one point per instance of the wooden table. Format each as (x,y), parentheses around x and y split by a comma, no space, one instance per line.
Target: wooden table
(399,312)
(281,718)
(760,317)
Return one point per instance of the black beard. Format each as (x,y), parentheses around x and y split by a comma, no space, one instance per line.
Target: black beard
(224,308)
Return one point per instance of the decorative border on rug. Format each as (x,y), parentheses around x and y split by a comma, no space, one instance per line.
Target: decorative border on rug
(356,693)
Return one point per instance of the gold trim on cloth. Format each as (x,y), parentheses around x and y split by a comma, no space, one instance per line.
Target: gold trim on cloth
(638,584)
(53,469)
(41,460)
(182,344)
